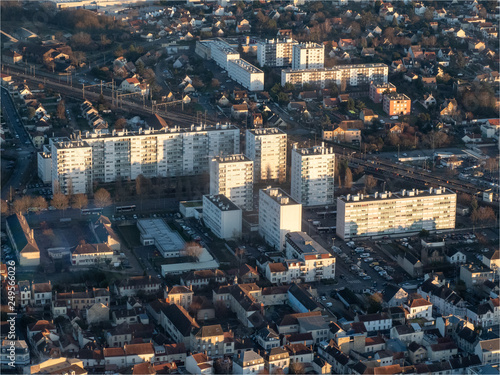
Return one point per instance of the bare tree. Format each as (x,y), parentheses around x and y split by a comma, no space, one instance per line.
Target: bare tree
(79,201)
(296,368)
(348,178)
(4,207)
(193,249)
(61,110)
(60,201)
(370,182)
(102,198)
(40,204)
(21,205)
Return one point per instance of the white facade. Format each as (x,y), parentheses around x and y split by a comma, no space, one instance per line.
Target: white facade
(222,53)
(315,262)
(249,76)
(308,56)
(278,215)
(45,167)
(313,175)
(267,148)
(275,52)
(390,213)
(222,216)
(354,75)
(165,153)
(71,167)
(232,176)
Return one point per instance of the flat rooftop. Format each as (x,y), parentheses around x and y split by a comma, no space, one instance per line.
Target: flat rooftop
(303,243)
(231,159)
(166,240)
(309,45)
(315,150)
(397,96)
(246,66)
(222,202)
(403,194)
(266,131)
(280,196)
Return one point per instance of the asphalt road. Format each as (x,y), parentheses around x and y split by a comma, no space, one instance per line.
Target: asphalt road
(25,147)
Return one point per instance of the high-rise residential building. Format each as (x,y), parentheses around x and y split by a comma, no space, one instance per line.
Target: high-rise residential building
(279,214)
(308,56)
(352,75)
(249,76)
(71,167)
(275,52)
(385,213)
(222,216)
(97,157)
(267,148)
(313,175)
(232,176)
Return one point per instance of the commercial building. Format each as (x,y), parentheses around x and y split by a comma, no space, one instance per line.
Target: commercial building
(313,175)
(275,52)
(308,56)
(156,232)
(385,213)
(97,157)
(315,262)
(267,148)
(279,214)
(397,104)
(222,216)
(353,75)
(246,74)
(232,176)
(377,91)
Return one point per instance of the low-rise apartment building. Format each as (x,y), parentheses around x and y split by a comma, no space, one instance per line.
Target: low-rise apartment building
(397,104)
(222,216)
(378,90)
(475,275)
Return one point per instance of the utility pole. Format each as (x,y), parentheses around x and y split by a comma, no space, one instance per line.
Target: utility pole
(83,90)
(101,86)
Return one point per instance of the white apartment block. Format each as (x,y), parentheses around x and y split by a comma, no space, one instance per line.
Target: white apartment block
(232,176)
(222,216)
(279,214)
(222,53)
(71,167)
(385,213)
(313,175)
(308,56)
(249,76)
(164,153)
(353,75)
(267,148)
(315,262)
(44,161)
(275,52)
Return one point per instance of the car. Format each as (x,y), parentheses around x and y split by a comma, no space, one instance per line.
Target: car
(323,298)
(329,304)
(405,154)
(367,278)
(135,217)
(365,255)
(228,81)
(368,260)
(374,264)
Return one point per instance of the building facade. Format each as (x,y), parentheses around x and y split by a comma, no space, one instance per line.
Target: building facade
(222,216)
(390,213)
(275,52)
(377,91)
(232,176)
(397,104)
(313,175)
(308,56)
(279,214)
(267,148)
(97,157)
(246,74)
(353,75)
